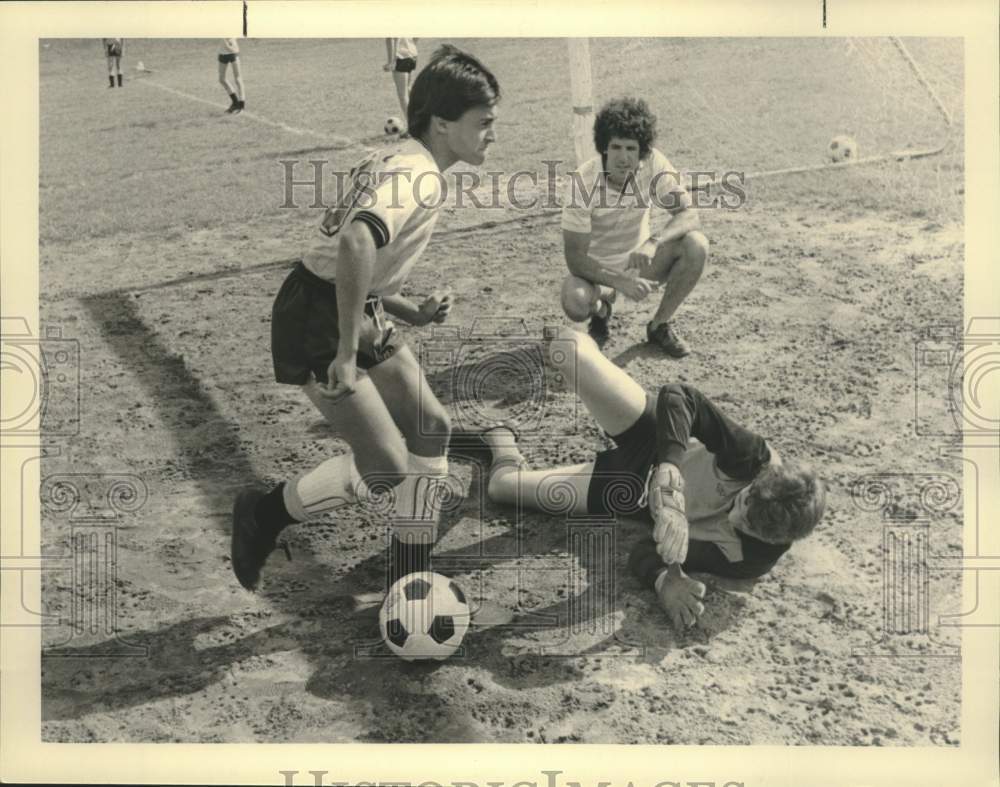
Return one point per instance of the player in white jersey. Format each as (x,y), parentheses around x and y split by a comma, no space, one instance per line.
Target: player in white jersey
(720,499)
(607,241)
(329,334)
(229,55)
(113,49)
(401,54)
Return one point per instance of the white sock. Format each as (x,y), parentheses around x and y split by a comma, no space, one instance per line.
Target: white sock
(332,484)
(419,498)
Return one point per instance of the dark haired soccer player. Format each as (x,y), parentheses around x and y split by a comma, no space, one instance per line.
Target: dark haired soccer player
(329,334)
(720,498)
(606,228)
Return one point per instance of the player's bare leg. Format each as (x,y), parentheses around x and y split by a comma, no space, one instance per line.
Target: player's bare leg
(612,398)
(234,100)
(679,265)
(377,453)
(111,71)
(402,81)
(238,78)
(582,300)
(426,485)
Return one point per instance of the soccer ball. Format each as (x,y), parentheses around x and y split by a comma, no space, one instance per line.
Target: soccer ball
(393,125)
(424,616)
(842,149)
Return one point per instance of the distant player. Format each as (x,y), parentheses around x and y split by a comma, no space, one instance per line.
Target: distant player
(720,498)
(329,334)
(113,49)
(229,55)
(606,228)
(401,54)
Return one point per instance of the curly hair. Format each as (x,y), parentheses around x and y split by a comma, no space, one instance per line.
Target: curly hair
(452,83)
(785,503)
(625,118)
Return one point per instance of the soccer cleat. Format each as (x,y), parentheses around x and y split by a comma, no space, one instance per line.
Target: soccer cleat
(597,328)
(239,107)
(232,107)
(665,337)
(250,544)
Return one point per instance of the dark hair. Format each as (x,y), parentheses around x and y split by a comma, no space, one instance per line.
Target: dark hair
(785,503)
(626,118)
(452,83)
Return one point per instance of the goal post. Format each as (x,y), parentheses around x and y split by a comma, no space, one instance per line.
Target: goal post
(581,92)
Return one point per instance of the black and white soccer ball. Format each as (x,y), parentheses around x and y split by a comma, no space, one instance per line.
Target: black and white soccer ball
(842,148)
(393,125)
(424,616)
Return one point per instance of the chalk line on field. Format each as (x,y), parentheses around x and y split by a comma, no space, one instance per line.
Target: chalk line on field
(302,132)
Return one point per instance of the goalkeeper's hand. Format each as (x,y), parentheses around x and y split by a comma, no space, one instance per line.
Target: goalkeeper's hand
(666,504)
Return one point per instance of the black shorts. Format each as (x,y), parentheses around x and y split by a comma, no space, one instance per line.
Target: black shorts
(304,330)
(113,50)
(227,58)
(618,485)
(405,64)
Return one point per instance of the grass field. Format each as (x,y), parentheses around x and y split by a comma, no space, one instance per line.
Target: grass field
(164,239)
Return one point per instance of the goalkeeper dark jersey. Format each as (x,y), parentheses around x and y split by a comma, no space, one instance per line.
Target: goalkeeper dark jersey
(717,458)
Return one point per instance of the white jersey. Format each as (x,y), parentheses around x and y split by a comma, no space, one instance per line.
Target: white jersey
(618,222)
(229,46)
(405,47)
(397,193)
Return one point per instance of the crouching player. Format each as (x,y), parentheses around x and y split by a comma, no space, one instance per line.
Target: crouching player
(330,337)
(720,498)
(606,228)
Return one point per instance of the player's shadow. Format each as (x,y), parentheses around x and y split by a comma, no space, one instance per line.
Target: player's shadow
(642,351)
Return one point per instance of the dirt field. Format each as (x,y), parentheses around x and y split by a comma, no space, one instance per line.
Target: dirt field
(163,241)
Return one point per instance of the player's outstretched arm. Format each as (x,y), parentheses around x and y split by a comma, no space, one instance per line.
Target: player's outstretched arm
(355,263)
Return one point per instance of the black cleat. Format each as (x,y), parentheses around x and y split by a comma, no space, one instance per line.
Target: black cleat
(250,544)
(665,337)
(237,107)
(597,328)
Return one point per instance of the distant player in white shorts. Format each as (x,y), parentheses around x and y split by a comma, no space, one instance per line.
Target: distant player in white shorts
(607,240)
(113,49)
(401,54)
(330,337)
(229,55)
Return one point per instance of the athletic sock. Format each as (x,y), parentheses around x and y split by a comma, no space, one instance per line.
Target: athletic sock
(111,79)
(119,80)
(270,512)
(408,558)
(233,99)
(503,445)
(330,485)
(419,497)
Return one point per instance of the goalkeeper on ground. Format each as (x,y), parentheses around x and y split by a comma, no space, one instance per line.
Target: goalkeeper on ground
(720,499)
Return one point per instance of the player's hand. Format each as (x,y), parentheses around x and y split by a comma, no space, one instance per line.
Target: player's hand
(641,260)
(666,504)
(342,379)
(680,596)
(436,307)
(637,289)
(387,67)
